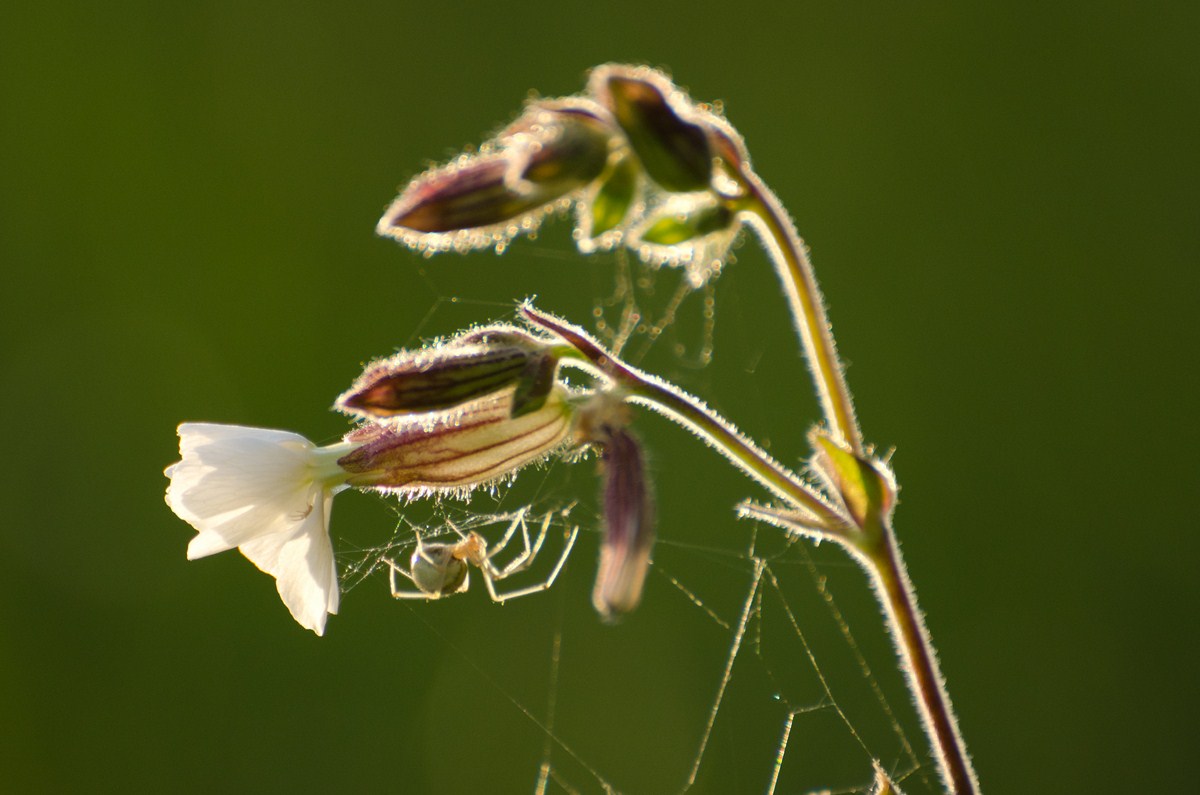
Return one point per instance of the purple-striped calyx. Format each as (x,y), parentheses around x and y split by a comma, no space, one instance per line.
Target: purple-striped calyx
(450,373)
(538,164)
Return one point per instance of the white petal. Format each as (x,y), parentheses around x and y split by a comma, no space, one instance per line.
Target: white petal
(235,483)
(254,489)
(302,564)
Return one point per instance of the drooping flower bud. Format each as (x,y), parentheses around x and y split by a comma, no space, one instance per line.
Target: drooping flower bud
(448,374)
(553,150)
(628,505)
(476,444)
(628,526)
(658,120)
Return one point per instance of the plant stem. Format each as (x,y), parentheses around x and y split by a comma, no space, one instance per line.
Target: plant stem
(894,589)
(779,236)
(689,412)
(881,558)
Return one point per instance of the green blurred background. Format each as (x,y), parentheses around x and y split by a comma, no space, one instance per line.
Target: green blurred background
(1001,201)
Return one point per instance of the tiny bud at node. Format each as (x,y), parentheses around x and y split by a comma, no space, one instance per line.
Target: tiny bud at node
(865,486)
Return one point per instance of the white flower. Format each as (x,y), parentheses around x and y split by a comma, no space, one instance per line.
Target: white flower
(269,494)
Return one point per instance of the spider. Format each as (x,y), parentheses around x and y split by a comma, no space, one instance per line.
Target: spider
(441,569)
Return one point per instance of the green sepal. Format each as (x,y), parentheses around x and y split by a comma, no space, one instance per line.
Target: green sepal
(615,197)
(672,228)
(864,485)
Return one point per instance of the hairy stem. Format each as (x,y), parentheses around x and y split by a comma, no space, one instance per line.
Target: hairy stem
(894,589)
(689,412)
(873,545)
(881,559)
(781,240)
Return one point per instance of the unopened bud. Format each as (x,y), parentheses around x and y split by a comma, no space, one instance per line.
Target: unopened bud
(446,375)
(628,525)
(865,486)
(653,113)
(477,444)
(883,784)
(552,151)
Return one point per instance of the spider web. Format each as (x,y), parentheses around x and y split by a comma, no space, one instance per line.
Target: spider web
(739,671)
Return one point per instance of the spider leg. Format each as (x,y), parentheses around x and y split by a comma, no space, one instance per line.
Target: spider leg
(518,520)
(501,598)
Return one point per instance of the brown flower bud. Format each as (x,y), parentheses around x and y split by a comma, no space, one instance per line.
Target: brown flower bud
(628,525)
(552,151)
(448,374)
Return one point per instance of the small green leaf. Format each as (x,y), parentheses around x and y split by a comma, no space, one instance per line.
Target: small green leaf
(674,228)
(612,201)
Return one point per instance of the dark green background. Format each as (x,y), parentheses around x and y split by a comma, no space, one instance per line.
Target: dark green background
(1001,202)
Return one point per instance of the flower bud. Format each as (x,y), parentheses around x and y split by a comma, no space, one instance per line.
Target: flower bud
(553,150)
(865,486)
(628,525)
(477,444)
(655,115)
(446,375)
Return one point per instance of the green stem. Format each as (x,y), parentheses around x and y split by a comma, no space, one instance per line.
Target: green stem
(691,413)
(779,236)
(882,560)
(895,592)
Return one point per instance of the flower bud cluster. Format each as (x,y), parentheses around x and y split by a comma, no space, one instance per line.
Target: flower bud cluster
(642,164)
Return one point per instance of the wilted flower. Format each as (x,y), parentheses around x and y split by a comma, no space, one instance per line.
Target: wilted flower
(267,493)
(628,526)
